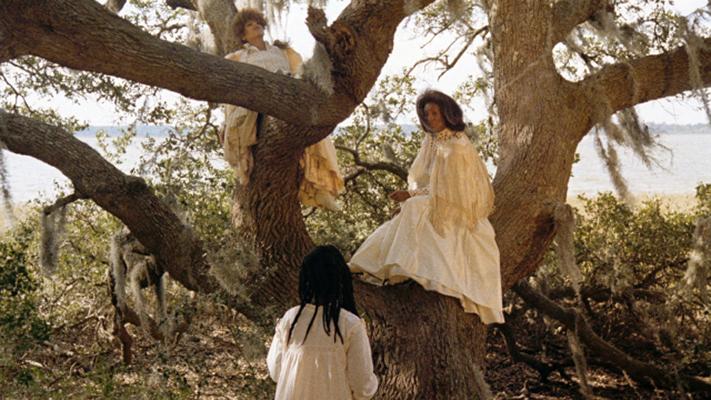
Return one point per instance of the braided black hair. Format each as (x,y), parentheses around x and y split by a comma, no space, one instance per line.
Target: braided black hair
(325,281)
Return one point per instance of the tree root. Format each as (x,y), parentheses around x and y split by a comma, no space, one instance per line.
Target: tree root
(543,368)
(641,372)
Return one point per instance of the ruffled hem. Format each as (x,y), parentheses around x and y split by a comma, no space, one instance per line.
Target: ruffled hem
(322,181)
(396,275)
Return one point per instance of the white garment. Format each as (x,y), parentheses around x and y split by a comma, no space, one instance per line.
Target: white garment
(442,238)
(273,58)
(322,182)
(320,368)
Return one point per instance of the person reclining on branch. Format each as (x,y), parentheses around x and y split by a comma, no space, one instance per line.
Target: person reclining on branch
(322,181)
(320,348)
(442,237)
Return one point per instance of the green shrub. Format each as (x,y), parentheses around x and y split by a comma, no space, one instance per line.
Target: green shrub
(21,326)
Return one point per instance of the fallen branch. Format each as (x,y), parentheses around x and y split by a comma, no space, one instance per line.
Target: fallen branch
(543,368)
(639,371)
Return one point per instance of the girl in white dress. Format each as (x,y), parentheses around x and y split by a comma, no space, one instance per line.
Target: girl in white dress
(322,181)
(441,238)
(320,349)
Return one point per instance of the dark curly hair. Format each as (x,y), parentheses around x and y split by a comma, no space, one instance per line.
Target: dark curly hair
(451,112)
(245,15)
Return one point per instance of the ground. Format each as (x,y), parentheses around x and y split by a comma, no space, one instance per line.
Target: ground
(221,358)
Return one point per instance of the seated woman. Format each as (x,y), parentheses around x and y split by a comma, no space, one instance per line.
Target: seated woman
(322,181)
(320,349)
(441,237)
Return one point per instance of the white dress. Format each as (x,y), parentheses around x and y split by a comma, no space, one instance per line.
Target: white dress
(322,181)
(441,238)
(320,368)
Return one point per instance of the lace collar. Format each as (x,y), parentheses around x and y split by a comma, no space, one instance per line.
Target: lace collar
(446,134)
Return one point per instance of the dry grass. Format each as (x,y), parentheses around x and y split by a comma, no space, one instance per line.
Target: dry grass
(216,359)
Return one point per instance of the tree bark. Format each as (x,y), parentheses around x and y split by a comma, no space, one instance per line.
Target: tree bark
(218,14)
(425,346)
(538,111)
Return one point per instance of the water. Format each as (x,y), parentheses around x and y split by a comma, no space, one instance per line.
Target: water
(681,168)
(687,164)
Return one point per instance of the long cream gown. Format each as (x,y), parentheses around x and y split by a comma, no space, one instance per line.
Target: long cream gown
(441,238)
(319,368)
(322,181)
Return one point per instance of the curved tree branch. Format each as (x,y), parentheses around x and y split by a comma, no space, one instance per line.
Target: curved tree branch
(393,168)
(82,34)
(648,78)
(567,14)
(360,41)
(128,198)
(176,248)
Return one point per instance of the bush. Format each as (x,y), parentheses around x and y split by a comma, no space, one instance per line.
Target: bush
(21,326)
(633,262)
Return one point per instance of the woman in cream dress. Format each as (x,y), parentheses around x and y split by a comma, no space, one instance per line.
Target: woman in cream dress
(441,237)
(322,181)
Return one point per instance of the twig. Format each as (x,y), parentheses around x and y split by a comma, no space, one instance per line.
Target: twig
(17,93)
(63,201)
(394,169)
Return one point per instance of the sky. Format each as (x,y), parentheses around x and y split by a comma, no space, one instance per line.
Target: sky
(407,51)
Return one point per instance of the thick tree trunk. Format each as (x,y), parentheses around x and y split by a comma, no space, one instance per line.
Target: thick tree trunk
(424,345)
(269,214)
(542,118)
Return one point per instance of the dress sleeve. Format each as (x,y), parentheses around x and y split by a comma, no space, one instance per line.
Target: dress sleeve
(234,56)
(276,352)
(418,175)
(359,368)
(295,61)
(460,189)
